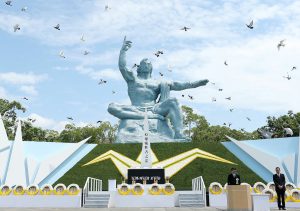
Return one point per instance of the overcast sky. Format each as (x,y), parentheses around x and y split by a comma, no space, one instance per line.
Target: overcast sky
(30,64)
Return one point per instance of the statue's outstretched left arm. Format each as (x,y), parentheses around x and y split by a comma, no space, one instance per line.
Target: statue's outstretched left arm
(178,86)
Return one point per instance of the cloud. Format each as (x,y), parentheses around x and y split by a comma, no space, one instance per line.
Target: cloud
(30,90)
(253,77)
(2,93)
(51,124)
(61,68)
(22,78)
(25,81)
(99,74)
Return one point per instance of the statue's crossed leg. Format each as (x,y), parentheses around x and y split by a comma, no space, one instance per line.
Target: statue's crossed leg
(169,108)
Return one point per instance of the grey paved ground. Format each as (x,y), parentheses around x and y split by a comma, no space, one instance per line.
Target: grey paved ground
(109,209)
(118,209)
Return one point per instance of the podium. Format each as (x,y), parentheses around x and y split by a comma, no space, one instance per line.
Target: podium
(238,198)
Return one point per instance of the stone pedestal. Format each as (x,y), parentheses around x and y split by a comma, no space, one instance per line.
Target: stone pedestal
(132,131)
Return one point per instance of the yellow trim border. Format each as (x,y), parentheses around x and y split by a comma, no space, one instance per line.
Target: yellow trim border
(215,192)
(71,192)
(5,193)
(121,192)
(30,193)
(292,198)
(256,190)
(42,192)
(152,192)
(19,193)
(134,192)
(168,192)
(62,192)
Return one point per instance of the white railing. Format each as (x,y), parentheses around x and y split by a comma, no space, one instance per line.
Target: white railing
(199,186)
(91,185)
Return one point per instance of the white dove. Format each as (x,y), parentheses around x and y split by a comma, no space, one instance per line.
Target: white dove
(82,38)
(16,27)
(62,55)
(280,44)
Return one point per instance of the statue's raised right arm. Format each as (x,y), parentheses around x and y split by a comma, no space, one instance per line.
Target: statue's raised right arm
(126,73)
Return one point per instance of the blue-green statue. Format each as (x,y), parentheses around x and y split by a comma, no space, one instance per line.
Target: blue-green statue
(164,113)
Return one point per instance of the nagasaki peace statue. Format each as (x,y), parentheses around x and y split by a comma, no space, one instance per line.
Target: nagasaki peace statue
(147,94)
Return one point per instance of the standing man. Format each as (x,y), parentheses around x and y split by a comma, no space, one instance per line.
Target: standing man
(279,181)
(233,178)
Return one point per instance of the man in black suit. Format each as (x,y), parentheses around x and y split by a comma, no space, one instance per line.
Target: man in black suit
(279,181)
(233,178)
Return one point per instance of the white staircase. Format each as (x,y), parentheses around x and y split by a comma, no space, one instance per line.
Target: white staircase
(97,200)
(191,200)
(195,198)
(93,197)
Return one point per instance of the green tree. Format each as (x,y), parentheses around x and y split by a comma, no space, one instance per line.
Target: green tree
(8,111)
(290,120)
(104,133)
(200,130)
(51,136)
(192,120)
(31,133)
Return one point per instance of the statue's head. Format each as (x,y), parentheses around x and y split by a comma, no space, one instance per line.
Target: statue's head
(145,67)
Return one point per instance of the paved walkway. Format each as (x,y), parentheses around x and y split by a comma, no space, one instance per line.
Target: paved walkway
(109,209)
(119,209)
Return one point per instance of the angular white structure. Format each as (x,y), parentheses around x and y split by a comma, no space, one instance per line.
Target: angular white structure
(4,149)
(297,159)
(47,166)
(16,171)
(22,165)
(263,156)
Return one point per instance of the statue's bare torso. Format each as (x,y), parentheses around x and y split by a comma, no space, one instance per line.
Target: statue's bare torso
(143,93)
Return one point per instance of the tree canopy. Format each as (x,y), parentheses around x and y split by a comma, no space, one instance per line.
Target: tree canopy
(104,133)
(289,120)
(199,129)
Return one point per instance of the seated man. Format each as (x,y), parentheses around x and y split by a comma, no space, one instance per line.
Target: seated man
(153,95)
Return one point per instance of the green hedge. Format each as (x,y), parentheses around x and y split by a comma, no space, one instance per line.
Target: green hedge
(212,171)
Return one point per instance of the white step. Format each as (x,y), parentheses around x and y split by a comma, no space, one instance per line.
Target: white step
(97,200)
(96,203)
(191,200)
(94,206)
(98,196)
(192,205)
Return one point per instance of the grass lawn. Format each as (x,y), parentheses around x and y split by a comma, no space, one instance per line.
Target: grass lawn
(212,171)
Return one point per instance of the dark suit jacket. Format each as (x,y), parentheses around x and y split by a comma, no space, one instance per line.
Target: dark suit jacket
(233,180)
(279,180)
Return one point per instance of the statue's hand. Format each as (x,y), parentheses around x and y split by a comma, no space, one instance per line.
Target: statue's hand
(205,81)
(126,45)
(199,83)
